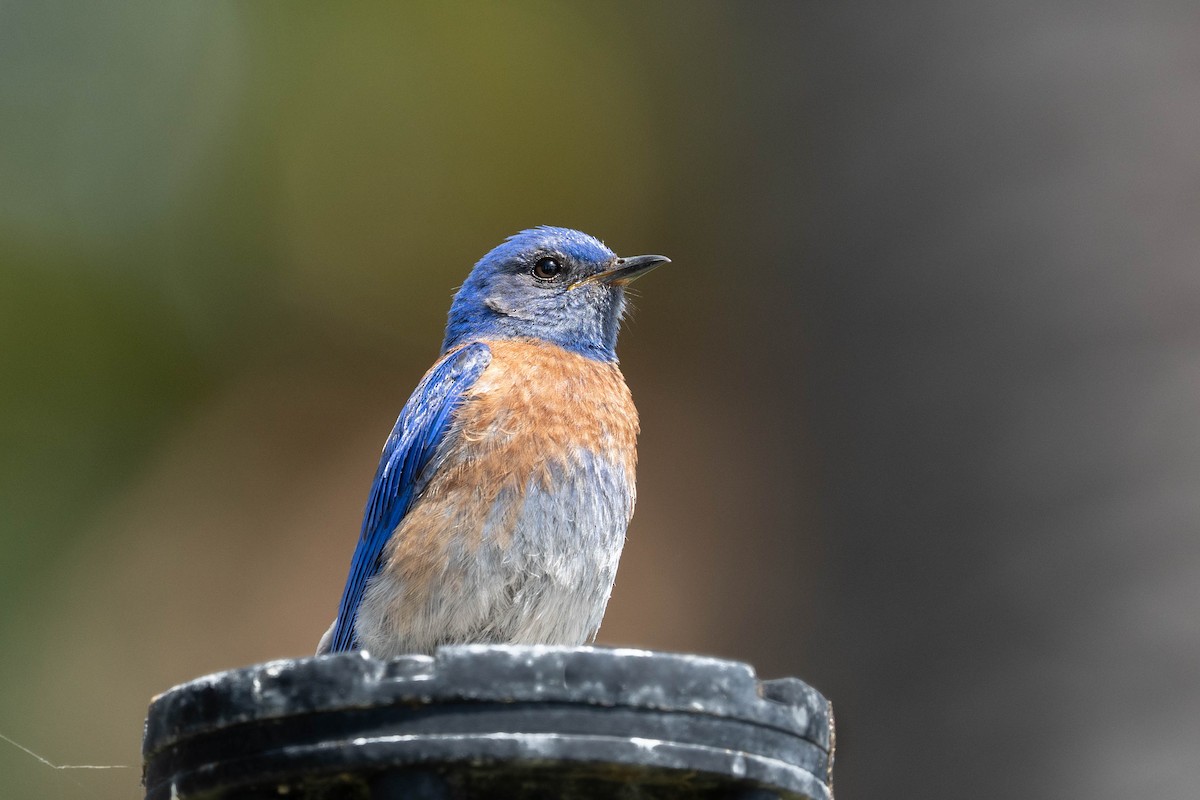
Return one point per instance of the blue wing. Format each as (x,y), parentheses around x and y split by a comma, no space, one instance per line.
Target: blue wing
(420,429)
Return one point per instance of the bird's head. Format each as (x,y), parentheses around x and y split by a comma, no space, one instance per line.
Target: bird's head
(553,284)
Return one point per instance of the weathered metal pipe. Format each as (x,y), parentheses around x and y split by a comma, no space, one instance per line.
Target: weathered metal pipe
(490,721)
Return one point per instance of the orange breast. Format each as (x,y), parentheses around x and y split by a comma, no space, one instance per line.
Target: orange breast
(533,414)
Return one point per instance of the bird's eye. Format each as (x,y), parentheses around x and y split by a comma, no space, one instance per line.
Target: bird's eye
(546,269)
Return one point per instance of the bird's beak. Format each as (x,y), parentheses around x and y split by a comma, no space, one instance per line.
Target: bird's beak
(624,271)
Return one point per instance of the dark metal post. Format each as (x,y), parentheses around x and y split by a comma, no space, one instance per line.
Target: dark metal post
(490,721)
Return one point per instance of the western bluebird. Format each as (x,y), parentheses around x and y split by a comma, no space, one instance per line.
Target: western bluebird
(499,508)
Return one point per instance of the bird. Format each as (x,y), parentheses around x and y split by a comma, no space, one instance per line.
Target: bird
(500,505)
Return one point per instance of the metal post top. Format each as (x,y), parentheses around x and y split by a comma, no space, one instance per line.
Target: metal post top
(499,702)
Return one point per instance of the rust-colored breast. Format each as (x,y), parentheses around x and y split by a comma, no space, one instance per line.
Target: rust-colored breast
(535,412)
(536,403)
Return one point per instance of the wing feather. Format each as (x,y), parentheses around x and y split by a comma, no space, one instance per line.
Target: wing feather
(420,429)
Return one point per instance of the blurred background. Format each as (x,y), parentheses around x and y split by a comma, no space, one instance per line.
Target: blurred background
(920,393)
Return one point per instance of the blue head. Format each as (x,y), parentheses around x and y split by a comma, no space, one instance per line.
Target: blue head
(553,284)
